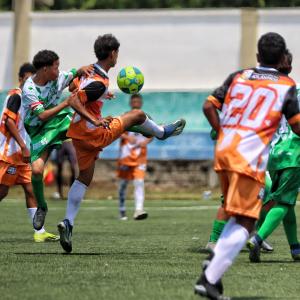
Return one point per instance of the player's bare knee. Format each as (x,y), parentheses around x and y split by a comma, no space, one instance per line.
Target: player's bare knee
(246,222)
(139,116)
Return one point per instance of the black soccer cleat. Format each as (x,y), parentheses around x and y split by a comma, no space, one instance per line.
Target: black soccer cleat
(254,250)
(205,289)
(39,218)
(65,232)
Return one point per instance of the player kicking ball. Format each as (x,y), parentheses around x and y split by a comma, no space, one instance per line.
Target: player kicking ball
(46,118)
(132,165)
(91,133)
(252,103)
(284,170)
(14,155)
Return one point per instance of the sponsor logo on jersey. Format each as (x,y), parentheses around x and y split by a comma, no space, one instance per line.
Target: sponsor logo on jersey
(11,170)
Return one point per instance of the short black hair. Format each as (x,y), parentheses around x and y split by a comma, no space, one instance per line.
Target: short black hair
(136,96)
(104,44)
(271,48)
(44,58)
(286,66)
(26,68)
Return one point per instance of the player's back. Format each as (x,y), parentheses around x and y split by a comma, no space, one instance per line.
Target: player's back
(10,151)
(252,109)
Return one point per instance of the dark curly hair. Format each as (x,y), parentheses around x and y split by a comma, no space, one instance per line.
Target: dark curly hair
(271,48)
(26,68)
(44,58)
(104,44)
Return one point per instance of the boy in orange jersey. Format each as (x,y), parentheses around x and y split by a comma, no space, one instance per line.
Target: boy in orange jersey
(252,102)
(91,133)
(14,154)
(132,166)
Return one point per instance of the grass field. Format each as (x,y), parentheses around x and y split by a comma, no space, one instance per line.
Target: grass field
(154,259)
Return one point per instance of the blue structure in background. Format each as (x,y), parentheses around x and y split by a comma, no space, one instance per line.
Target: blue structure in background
(193,144)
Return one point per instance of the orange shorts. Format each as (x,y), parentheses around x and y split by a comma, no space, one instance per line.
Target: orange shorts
(87,151)
(12,174)
(131,173)
(241,194)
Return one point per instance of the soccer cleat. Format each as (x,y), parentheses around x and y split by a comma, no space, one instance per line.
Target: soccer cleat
(296,254)
(45,237)
(172,129)
(39,218)
(205,289)
(65,233)
(140,215)
(266,247)
(124,218)
(254,250)
(210,246)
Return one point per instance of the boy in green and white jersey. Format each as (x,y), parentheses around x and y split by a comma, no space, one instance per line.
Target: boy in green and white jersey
(284,170)
(47,118)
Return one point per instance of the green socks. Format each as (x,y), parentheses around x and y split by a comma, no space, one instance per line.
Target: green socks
(272,220)
(38,190)
(262,217)
(217,230)
(290,226)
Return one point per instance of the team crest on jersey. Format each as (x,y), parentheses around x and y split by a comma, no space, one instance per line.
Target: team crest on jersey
(11,170)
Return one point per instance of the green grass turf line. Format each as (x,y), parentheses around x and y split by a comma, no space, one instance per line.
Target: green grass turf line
(114,260)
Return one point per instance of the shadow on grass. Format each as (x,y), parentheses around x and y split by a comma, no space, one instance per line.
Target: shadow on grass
(127,254)
(251,298)
(198,250)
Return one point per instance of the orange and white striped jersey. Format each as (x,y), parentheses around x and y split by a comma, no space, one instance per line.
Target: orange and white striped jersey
(92,92)
(252,102)
(10,151)
(132,154)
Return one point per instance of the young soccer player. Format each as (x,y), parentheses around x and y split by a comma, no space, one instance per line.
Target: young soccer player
(14,154)
(132,166)
(47,118)
(252,103)
(284,169)
(91,133)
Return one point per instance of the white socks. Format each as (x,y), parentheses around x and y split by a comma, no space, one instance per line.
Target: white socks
(139,194)
(152,128)
(31,212)
(229,245)
(75,196)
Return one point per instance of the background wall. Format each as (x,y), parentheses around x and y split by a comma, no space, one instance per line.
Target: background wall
(176,50)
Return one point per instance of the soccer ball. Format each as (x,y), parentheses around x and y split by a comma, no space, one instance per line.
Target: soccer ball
(130,80)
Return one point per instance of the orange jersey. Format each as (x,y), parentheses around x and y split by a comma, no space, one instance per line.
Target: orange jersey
(92,92)
(133,154)
(10,151)
(252,102)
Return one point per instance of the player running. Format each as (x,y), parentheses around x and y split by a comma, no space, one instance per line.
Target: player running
(91,133)
(14,154)
(132,165)
(252,103)
(47,118)
(284,170)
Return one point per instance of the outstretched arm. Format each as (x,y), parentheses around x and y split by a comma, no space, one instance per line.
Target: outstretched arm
(76,104)
(49,113)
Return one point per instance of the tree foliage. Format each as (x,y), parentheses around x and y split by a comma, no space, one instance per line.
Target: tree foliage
(136,4)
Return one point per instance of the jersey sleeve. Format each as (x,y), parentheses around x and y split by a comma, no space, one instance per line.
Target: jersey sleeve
(92,92)
(291,108)
(13,106)
(65,78)
(31,101)
(217,97)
